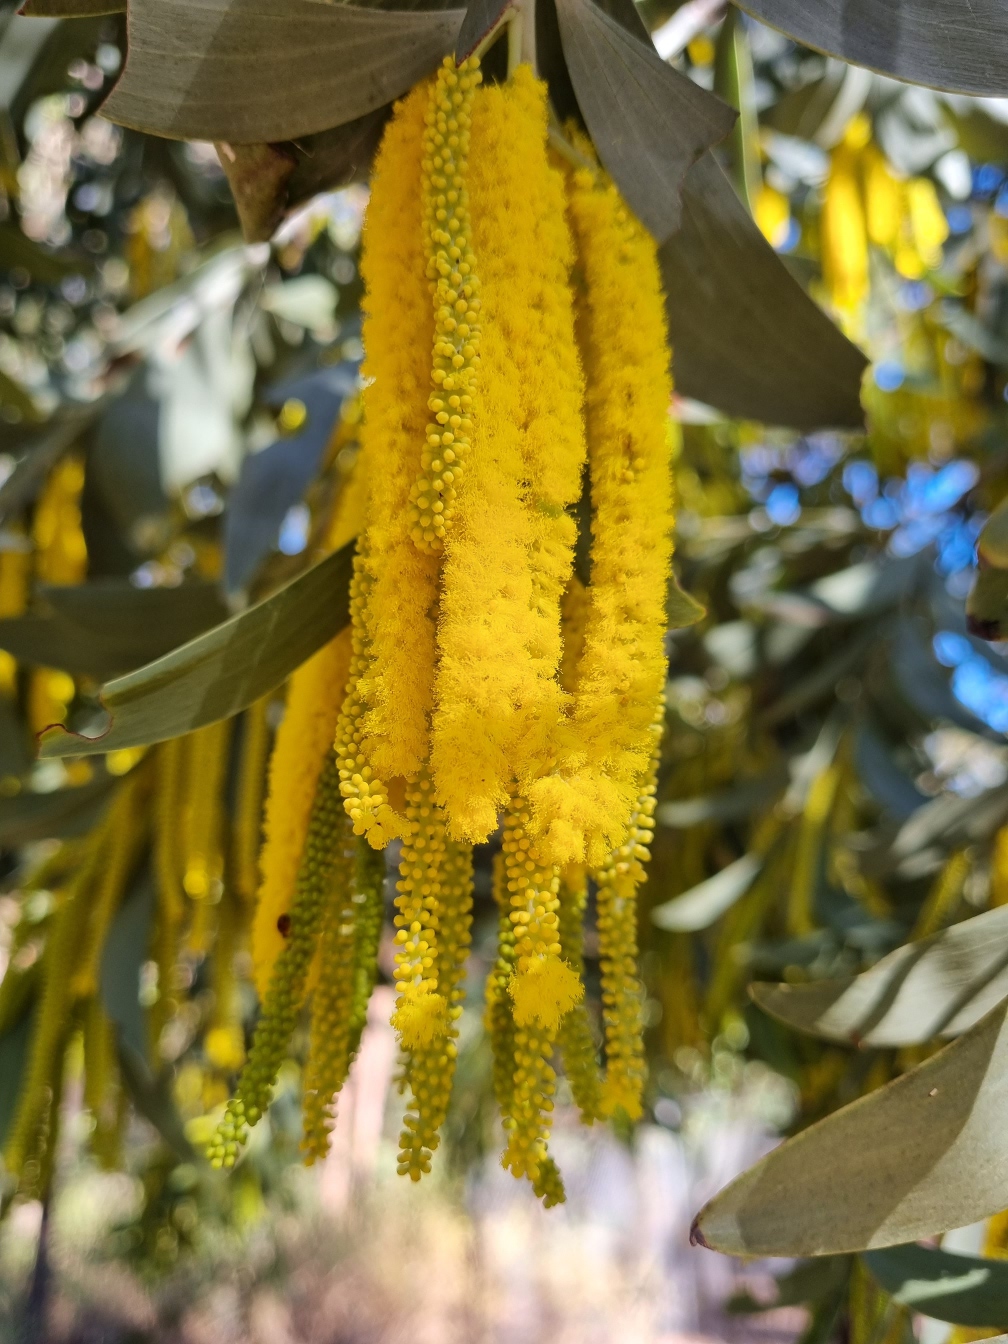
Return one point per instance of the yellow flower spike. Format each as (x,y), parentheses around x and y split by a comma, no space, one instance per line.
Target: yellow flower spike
(577,1040)
(329,1050)
(60,557)
(15,576)
(399,599)
(928,224)
(101,1082)
(498,697)
(430,1068)
(421,1013)
(169,760)
(288,984)
(545,992)
(883,199)
(581,808)
(451,270)
(365,797)
(498,1021)
(529,1120)
(255,735)
(303,742)
(844,234)
(209,749)
(622,993)
(532,889)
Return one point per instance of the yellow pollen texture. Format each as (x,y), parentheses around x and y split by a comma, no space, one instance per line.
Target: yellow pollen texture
(508,553)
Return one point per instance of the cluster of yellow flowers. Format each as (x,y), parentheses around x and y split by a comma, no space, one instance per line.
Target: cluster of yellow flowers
(515,349)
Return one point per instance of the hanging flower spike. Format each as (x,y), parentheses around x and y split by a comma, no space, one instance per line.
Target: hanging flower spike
(303,742)
(421,1013)
(248,818)
(498,1018)
(577,1040)
(329,1051)
(447,234)
(581,809)
(431,1067)
(508,552)
(399,582)
(622,994)
(288,983)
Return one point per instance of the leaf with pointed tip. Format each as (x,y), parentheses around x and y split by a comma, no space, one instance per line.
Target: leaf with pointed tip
(481,17)
(211,69)
(745,335)
(705,903)
(938,987)
(925,1153)
(108,626)
(70,9)
(222,671)
(681,608)
(735,82)
(959,45)
(963,1289)
(648,122)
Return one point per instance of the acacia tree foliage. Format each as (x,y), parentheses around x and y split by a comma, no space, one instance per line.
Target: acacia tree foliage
(831,793)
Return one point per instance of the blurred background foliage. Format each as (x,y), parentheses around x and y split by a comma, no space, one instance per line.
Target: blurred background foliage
(177,416)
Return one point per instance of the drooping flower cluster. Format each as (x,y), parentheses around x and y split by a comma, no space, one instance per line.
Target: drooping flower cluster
(515,347)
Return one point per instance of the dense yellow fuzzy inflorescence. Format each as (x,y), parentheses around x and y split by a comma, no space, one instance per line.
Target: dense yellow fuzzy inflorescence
(303,741)
(581,810)
(421,1013)
(455,289)
(622,995)
(509,552)
(399,604)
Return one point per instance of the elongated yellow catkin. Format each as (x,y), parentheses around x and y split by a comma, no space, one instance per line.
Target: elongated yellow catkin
(421,1012)
(577,1039)
(303,742)
(330,1045)
(60,557)
(622,993)
(101,1082)
(170,906)
(204,867)
(15,576)
(247,827)
(498,1018)
(431,1065)
(581,809)
(398,334)
(509,551)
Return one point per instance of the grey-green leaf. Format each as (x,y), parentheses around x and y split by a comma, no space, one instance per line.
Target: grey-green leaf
(71,9)
(648,122)
(13,1057)
(52,816)
(924,1154)
(745,336)
(960,45)
(964,1289)
(682,609)
(699,907)
(109,626)
(938,987)
(222,671)
(212,69)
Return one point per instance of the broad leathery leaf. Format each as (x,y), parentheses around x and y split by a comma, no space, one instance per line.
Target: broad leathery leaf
(125,951)
(925,1153)
(649,123)
(705,903)
(732,805)
(52,816)
(936,988)
(734,81)
(222,671)
(481,18)
(13,1057)
(964,1289)
(108,626)
(959,45)
(211,69)
(809,1281)
(891,788)
(747,338)
(38,459)
(70,9)
(277,476)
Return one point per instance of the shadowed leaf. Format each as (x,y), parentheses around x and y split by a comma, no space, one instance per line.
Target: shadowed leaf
(699,907)
(746,337)
(964,1289)
(481,17)
(35,463)
(13,1057)
(648,122)
(210,69)
(682,609)
(223,671)
(52,816)
(959,45)
(926,1153)
(938,987)
(71,9)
